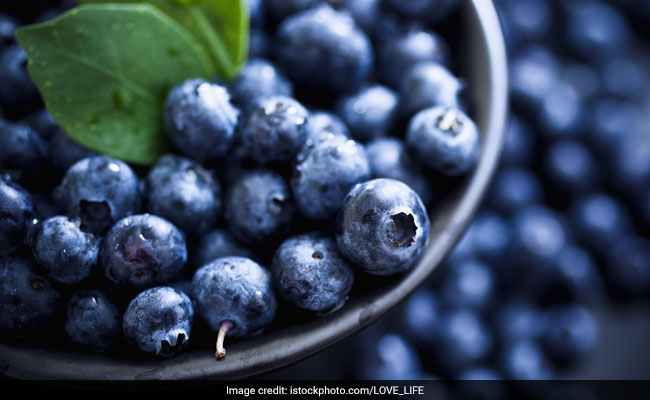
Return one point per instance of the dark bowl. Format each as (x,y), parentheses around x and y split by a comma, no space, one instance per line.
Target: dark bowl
(484,65)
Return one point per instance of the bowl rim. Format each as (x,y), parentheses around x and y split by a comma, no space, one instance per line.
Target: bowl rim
(264,353)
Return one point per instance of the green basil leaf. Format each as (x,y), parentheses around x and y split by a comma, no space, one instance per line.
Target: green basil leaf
(221,26)
(104,72)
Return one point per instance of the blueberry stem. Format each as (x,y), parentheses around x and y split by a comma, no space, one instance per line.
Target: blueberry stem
(221,351)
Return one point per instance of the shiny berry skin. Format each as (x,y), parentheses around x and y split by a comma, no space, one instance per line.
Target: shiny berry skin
(99,190)
(27,300)
(184,193)
(93,319)
(258,78)
(324,125)
(16,212)
(21,147)
(513,189)
(369,112)
(324,173)
(216,244)
(323,48)
(444,139)
(382,227)
(310,272)
(200,120)
(234,289)
(426,85)
(64,251)
(273,128)
(599,220)
(258,207)
(539,235)
(142,251)
(159,320)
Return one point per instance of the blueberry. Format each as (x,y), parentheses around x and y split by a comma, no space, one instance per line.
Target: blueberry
(420,316)
(258,207)
(519,319)
(7,28)
(401,52)
(389,158)
(391,357)
(257,12)
(324,173)
(529,19)
(571,167)
(490,236)
(514,189)
(382,227)
(259,44)
(100,190)
(426,10)
(159,320)
(444,139)
(324,125)
(27,300)
(596,29)
(324,48)
(561,111)
(623,77)
(21,147)
(199,119)
(599,220)
(427,85)
(524,360)
(42,122)
(469,284)
(628,265)
(66,253)
(583,78)
(184,193)
(572,332)
(365,13)
(632,162)
(64,151)
(369,112)
(16,212)
(577,270)
(93,319)
(519,143)
(309,272)
(234,295)
(533,71)
(613,120)
(463,340)
(539,235)
(479,374)
(18,94)
(143,251)
(280,9)
(258,78)
(274,128)
(216,244)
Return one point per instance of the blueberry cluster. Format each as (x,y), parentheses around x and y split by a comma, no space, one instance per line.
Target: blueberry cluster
(563,235)
(309,171)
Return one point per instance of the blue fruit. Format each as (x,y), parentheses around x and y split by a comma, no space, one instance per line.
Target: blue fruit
(599,220)
(391,357)
(64,251)
(234,295)
(18,94)
(490,236)
(257,12)
(259,44)
(571,332)
(425,85)
(519,319)
(578,271)
(216,244)
(42,122)
(27,300)
(444,139)
(524,360)
(479,374)
(420,317)
(142,251)
(159,320)
(324,125)
(258,207)
(468,283)
(369,112)
(274,128)
(21,147)
(324,173)
(463,340)
(571,166)
(323,48)
(258,78)
(532,73)
(184,193)
(401,52)
(199,119)
(16,213)
(280,9)
(99,190)
(7,28)
(628,265)
(513,189)
(519,143)
(64,151)
(539,235)
(562,112)
(93,319)
(382,227)
(309,272)
(389,158)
